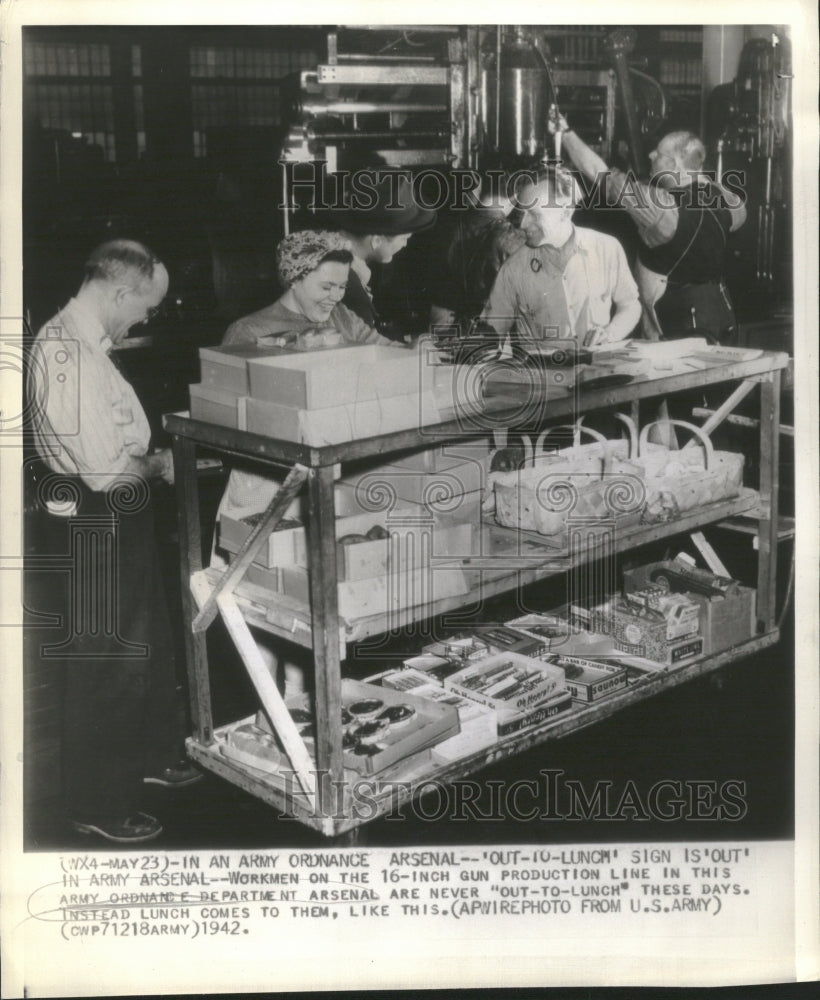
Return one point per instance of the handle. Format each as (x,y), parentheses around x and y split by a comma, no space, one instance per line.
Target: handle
(576,428)
(632,431)
(703,439)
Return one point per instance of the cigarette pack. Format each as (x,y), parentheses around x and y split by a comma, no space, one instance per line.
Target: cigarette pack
(508,682)
(589,680)
(549,709)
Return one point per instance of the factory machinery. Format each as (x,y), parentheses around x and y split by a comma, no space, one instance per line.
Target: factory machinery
(444,97)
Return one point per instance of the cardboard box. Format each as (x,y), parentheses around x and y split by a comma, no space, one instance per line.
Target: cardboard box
(726,618)
(317,380)
(227,367)
(218,406)
(546,710)
(454,477)
(338,424)
(503,639)
(433,723)
(644,632)
(359,560)
(391,593)
(477,722)
(508,682)
(435,667)
(588,681)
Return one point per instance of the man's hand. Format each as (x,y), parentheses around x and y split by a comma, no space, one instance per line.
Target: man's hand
(596,336)
(166,471)
(556,122)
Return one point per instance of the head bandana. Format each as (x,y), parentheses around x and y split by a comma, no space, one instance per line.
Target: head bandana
(300,253)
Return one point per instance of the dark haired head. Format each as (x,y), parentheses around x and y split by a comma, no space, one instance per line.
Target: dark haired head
(337,257)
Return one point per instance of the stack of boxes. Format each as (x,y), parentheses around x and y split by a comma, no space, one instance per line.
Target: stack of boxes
(327,396)
(393,570)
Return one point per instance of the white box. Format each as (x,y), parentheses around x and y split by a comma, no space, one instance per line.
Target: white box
(382,595)
(337,424)
(218,406)
(334,377)
(227,367)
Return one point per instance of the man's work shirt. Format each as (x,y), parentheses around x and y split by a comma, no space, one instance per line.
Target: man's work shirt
(86,418)
(565,292)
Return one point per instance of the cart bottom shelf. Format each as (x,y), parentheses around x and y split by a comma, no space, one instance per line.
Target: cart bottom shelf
(363,798)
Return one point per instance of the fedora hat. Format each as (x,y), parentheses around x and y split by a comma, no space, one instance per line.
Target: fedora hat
(381,202)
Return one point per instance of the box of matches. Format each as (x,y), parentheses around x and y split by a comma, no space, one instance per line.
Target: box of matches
(588,680)
(508,682)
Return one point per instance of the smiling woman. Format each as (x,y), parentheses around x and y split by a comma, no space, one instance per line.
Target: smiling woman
(313,266)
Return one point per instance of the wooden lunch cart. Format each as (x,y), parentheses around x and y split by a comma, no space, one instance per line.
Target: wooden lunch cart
(317,625)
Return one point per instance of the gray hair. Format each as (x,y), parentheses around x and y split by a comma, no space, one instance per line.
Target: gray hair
(121,262)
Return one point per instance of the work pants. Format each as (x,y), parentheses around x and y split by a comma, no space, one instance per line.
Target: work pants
(122,715)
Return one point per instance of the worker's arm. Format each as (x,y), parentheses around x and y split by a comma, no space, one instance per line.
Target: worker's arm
(160,465)
(652,209)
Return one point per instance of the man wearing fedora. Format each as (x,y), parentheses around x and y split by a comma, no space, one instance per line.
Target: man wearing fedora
(381,216)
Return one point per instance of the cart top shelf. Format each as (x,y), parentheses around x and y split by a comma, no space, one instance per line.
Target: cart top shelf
(498,412)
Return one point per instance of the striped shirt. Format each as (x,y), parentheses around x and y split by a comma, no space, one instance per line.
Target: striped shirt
(86,419)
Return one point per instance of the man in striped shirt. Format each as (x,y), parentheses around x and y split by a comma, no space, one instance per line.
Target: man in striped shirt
(121,720)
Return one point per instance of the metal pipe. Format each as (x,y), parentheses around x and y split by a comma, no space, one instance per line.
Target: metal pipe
(367,57)
(497,87)
(416,29)
(396,134)
(366,107)
(285,198)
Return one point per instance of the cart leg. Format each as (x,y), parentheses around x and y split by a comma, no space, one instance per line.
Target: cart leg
(769,487)
(190,562)
(324,606)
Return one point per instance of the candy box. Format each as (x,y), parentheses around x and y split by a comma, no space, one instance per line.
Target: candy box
(555,705)
(588,680)
(508,682)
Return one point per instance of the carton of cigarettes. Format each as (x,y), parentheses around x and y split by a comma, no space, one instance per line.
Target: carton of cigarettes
(589,680)
(508,682)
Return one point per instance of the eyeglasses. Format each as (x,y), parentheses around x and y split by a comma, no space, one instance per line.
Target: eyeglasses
(151,313)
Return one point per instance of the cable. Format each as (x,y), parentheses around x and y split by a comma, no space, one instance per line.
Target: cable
(789,589)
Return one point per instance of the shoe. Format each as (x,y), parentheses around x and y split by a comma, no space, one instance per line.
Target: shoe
(132,830)
(176,776)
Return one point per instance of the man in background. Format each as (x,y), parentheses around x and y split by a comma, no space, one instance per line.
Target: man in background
(684,220)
